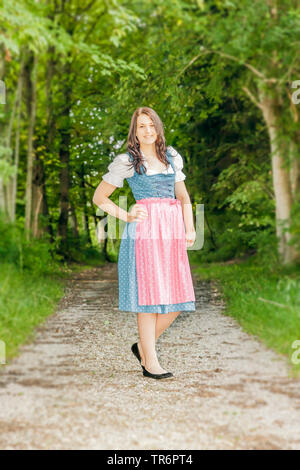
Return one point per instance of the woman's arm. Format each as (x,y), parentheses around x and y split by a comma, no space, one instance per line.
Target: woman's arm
(101,199)
(187,212)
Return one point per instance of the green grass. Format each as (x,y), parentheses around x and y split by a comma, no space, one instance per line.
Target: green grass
(32,279)
(27,299)
(243,284)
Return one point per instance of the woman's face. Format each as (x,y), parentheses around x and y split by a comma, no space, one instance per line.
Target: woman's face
(145,130)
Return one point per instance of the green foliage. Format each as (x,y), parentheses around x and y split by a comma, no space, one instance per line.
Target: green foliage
(231,243)
(81,251)
(6,169)
(228,241)
(246,188)
(37,256)
(295,225)
(192,62)
(265,244)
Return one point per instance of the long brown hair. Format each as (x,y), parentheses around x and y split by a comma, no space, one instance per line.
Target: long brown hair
(133,144)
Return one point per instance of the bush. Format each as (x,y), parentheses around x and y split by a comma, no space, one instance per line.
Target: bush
(266,246)
(232,241)
(36,255)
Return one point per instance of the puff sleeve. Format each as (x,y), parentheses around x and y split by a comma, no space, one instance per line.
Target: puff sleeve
(178,163)
(118,170)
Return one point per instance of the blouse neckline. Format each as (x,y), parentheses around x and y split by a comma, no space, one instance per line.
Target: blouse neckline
(165,172)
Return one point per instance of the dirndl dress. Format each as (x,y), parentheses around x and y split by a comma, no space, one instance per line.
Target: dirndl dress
(153,267)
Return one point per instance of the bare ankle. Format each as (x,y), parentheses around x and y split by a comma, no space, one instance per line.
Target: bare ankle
(152,363)
(154,368)
(141,354)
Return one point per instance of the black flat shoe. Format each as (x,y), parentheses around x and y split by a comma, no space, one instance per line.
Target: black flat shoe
(165,375)
(135,350)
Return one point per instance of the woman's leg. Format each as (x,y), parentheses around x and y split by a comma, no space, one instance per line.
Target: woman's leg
(163,321)
(145,325)
(147,330)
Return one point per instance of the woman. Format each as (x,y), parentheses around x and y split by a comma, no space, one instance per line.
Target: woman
(153,267)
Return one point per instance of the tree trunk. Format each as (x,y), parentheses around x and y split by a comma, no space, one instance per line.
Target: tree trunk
(294,169)
(102,235)
(85,208)
(281,180)
(51,122)
(31,107)
(51,128)
(38,196)
(64,154)
(17,143)
(74,222)
(6,187)
(2,61)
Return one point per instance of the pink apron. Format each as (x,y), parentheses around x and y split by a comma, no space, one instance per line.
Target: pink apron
(162,264)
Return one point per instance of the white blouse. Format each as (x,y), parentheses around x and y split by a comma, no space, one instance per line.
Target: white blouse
(118,170)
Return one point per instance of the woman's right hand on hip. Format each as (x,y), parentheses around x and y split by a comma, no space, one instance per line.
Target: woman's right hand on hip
(137,213)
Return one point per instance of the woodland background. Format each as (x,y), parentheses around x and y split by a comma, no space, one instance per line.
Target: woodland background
(222,75)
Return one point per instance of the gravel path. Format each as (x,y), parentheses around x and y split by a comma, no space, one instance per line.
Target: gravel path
(78,386)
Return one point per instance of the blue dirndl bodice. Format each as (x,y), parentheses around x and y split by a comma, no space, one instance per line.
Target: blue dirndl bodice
(158,185)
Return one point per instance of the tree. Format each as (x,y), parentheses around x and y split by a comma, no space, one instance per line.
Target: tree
(263,38)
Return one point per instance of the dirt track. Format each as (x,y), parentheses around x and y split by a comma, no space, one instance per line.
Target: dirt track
(78,386)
